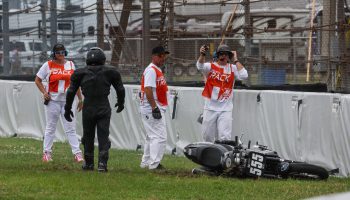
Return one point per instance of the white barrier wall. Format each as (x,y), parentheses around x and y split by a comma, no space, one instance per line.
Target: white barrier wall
(303,126)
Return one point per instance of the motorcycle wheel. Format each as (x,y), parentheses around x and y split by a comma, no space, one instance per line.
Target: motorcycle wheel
(307,171)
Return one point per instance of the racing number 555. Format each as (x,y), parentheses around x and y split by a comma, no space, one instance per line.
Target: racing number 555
(256,164)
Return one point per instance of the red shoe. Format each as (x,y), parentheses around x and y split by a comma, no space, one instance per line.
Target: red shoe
(78,157)
(47,157)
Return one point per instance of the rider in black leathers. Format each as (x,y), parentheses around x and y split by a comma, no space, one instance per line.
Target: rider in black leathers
(95,81)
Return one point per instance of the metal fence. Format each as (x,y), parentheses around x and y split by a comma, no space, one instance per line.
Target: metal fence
(279,42)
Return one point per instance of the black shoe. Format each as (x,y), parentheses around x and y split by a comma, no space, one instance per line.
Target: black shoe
(102,167)
(88,167)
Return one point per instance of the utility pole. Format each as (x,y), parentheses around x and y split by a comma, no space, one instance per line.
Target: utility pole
(146,32)
(247,27)
(248,31)
(342,46)
(162,36)
(171,26)
(6,37)
(171,38)
(120,35)
(53,24)
(346,58)
(328,19)
(100,23)
(43,8)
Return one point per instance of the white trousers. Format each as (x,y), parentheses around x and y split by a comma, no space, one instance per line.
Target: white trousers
(217,125)
(155,142)
(53,111)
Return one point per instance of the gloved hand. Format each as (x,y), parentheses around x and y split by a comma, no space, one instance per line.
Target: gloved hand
(203,49)
(156,113)
(68,114)
(120,107)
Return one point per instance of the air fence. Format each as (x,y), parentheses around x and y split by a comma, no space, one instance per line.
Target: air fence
(303,126)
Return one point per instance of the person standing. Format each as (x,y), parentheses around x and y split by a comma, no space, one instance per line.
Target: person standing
(154,100)
(95,81)
(220,79)
(57,73)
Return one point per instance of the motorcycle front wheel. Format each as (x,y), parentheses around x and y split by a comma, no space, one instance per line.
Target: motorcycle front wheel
(307,171)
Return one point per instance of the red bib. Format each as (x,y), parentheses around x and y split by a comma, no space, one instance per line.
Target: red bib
(219,84)
(59,74)
(161,87)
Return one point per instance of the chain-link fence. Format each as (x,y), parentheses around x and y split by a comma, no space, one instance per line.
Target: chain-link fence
(279,41)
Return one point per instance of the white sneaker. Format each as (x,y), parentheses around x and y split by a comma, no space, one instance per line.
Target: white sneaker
(143,166)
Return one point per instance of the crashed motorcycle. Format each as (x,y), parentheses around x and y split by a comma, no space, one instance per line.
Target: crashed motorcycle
(231,158)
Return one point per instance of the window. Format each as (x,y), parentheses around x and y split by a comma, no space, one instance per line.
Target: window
(64,26)
(272,23)
(36,47)
(255,51)
(91,30)
(17,45)
(90,45)
(155,24)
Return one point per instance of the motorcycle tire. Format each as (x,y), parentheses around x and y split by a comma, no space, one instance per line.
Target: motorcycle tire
(307,171)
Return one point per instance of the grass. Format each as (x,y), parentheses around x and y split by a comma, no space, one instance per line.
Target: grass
(24,176)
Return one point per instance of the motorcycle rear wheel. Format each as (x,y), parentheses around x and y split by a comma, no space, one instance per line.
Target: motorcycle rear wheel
(307,171)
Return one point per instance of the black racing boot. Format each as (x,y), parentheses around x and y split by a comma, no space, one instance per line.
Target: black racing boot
(102,167)
(87,167)
(103,157)
(88,164)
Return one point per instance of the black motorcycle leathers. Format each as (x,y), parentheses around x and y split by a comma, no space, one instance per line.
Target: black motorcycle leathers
(95,83)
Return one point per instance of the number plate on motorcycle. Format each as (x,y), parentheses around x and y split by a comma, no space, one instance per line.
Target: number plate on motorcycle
(255,164)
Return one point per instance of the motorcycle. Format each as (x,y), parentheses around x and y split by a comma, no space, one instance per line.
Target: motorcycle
(231,158)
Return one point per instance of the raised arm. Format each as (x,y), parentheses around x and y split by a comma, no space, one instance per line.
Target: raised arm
(201,65)
(202,53)
(236,61)
(240,72)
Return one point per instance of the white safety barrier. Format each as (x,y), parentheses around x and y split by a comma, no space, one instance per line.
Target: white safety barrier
(303,126)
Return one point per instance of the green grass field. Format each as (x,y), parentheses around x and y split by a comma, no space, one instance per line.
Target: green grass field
(24,176)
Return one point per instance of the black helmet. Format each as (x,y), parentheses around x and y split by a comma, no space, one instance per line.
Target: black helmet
(95,56)
(58,47)
(224,48)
